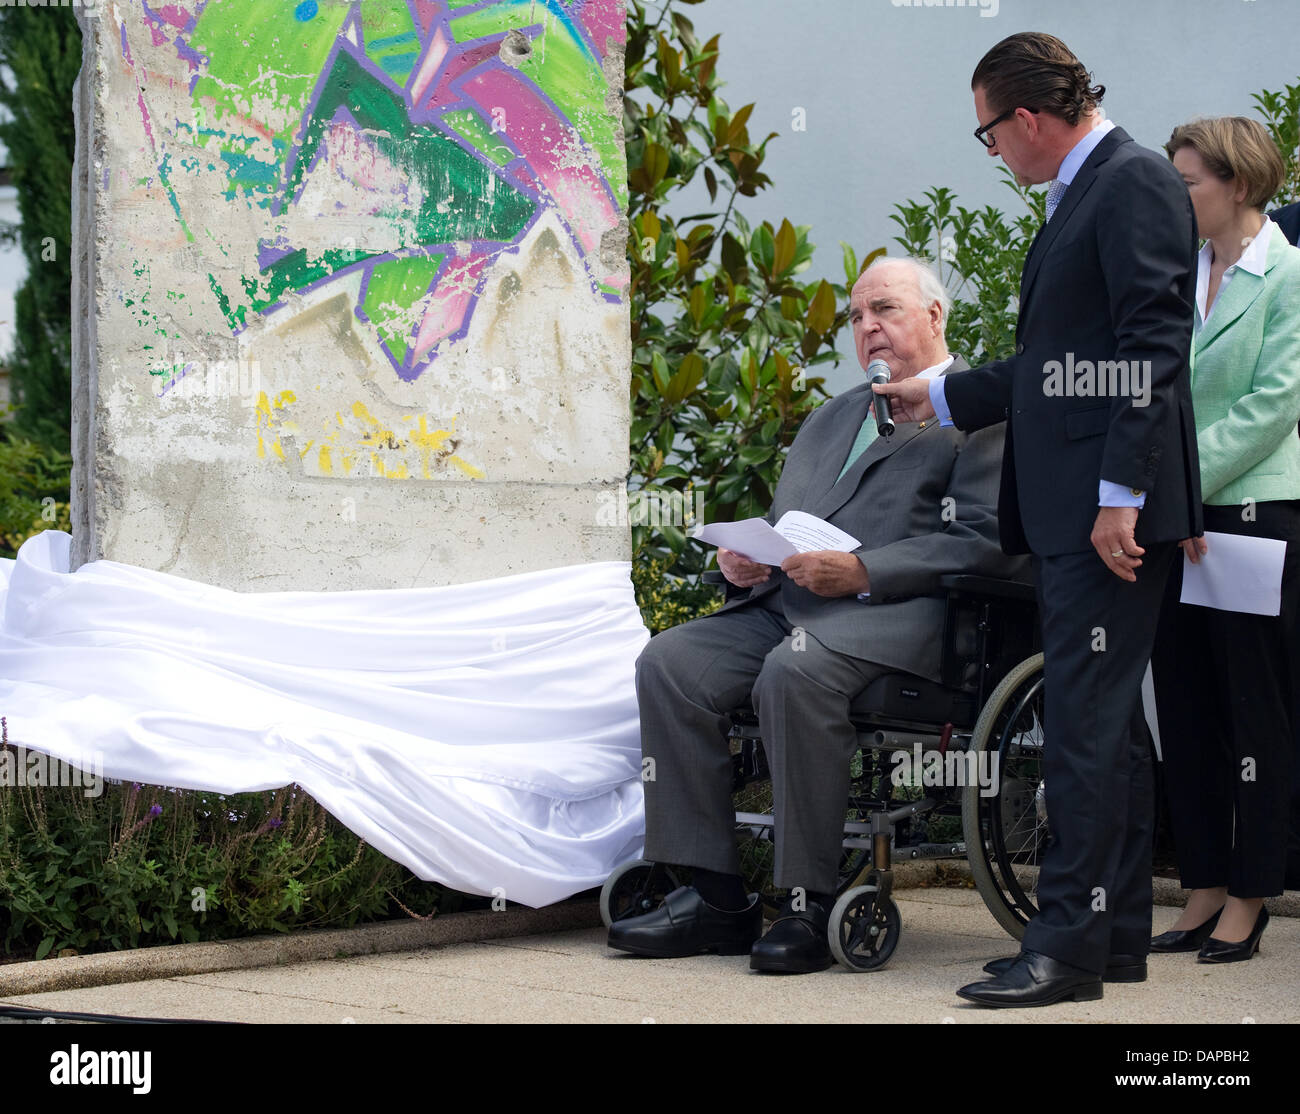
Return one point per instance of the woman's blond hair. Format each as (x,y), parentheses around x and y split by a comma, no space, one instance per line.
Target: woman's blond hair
(1234,148)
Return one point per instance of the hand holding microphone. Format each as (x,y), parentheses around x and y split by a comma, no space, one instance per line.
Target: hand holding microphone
(905,401)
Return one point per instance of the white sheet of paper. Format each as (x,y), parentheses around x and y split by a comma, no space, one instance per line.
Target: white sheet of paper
(795,532)
(1237,574)
(751,537)
(806,532)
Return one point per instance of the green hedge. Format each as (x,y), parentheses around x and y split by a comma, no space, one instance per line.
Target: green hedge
(33,490)
(142,865)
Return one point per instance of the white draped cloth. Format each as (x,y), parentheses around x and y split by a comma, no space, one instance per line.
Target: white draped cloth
(484,735)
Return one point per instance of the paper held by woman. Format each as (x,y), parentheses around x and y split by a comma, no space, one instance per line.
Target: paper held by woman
(1236,573)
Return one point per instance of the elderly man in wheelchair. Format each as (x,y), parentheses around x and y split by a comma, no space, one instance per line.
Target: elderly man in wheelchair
(836,651)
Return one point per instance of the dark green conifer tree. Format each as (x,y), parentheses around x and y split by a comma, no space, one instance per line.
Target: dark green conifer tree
(41,50)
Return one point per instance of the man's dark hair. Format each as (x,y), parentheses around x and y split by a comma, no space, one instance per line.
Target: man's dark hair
(1036,70)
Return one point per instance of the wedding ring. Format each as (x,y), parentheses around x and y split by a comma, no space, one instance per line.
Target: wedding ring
(1118,553)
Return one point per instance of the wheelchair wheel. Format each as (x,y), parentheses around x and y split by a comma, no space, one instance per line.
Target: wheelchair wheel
(1007,832)
(864,929)
(636,887)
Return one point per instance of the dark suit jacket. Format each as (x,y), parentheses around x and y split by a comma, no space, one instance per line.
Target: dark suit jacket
(893,501)
(1112,277)
(1289,218)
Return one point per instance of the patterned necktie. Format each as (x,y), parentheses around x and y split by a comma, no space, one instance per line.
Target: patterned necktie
(1054,194)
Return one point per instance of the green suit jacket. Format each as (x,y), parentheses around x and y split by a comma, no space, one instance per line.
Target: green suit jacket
(1246,383)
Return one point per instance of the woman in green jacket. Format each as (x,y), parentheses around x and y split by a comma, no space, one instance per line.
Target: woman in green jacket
(1225,680)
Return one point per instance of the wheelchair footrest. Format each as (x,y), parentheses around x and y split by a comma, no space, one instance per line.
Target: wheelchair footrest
(955,850)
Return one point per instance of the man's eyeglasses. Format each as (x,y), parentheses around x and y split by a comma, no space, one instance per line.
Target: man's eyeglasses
(982,134)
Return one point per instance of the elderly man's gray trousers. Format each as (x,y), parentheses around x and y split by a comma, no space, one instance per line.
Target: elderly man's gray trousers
(688,680)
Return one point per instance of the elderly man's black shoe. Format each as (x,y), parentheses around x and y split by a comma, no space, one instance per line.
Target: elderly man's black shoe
(796,944)
(1035,980)
(685,924)
(1119,968)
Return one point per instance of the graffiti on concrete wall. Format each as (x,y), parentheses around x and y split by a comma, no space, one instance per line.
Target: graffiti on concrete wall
(392,149)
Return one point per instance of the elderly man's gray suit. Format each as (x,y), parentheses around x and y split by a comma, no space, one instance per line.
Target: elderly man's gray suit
(922,504)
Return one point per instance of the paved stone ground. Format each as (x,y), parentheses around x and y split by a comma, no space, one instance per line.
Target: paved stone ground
(571,976)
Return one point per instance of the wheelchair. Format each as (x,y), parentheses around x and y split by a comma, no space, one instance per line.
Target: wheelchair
(984,717)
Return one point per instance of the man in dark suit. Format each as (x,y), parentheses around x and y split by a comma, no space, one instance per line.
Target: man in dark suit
(1099,482)
(805,639)
(1288,217)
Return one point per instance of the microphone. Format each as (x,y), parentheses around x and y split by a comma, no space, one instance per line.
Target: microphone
(878,372)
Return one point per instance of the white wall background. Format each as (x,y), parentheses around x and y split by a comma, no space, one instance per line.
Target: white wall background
(886,89)
(889,113)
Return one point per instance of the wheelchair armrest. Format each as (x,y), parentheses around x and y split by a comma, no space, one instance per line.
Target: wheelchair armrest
(989,626)
(988,587)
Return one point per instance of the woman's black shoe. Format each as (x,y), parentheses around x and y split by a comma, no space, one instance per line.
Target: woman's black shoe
(1220,951)
(1185,940)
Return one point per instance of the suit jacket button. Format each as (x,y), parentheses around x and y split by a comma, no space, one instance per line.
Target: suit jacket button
(1020,348)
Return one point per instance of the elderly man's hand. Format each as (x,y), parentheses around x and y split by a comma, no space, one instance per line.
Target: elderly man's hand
(741,571)
(909,399)
(827,572)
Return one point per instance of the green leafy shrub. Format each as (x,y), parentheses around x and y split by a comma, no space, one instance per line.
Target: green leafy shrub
(1281,113)
(665,601)
(33,491)
(724,334)
(145,865)
(979,254)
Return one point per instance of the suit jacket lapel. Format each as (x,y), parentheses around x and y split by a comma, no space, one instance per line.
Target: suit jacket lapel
(1240,295)
(1078,189)
(838,443)
(1030,254)
(1230,305)
(877,451)
(827,496)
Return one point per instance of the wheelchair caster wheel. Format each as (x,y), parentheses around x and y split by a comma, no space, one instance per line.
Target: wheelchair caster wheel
(863,929)
(636,887)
